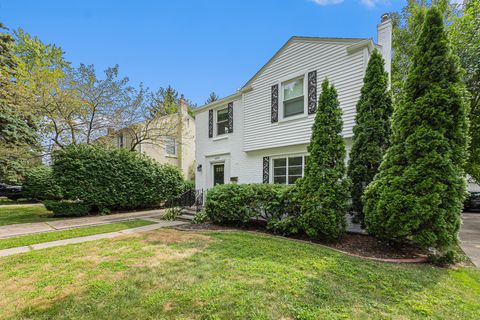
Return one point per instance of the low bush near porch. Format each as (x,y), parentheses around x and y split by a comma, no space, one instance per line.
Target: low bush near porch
(238,204)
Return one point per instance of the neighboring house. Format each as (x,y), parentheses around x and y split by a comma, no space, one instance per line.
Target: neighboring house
(261,132)
(167,139)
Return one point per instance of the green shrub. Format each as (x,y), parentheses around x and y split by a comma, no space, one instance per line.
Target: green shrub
(229,204)
(324,190)
(40,184)
(67,208)
(172,213)
(200,217)
(419,191)
(238,204)
(188,185)
(108,178)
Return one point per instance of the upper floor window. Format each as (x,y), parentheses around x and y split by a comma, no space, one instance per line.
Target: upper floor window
(288,169)
(293,97)
(170,146)
(120,141)
(222,121)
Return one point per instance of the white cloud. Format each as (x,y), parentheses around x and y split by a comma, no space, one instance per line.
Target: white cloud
(327,2)
(373,3)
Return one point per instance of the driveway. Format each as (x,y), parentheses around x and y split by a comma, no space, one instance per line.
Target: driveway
(470,236)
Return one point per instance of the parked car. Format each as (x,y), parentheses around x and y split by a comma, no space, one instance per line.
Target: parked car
(11,192)
(472,203)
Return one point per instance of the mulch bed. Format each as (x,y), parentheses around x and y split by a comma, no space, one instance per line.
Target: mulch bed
(353,244)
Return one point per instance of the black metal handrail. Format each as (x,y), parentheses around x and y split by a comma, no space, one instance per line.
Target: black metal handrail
(189,198)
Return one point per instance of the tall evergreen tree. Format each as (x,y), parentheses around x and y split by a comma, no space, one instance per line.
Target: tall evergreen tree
(212,97)
(324,189)
(372,130)
(419,191)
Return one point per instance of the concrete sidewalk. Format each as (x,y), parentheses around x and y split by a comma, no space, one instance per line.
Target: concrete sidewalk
(162,224)
(470,236)
(14,230)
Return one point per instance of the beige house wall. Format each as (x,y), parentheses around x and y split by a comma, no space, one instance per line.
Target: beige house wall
(184,143)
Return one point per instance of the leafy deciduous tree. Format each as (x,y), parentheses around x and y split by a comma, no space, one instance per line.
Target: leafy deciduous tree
(18,138)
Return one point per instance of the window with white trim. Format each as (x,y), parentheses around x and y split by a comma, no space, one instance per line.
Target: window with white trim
(288,169)
(170,146)
(120,141)
(293,97)
(222,121)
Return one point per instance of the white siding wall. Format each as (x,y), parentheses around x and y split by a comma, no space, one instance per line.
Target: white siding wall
(331,61)
(254,136)
(247,166)
(225,149)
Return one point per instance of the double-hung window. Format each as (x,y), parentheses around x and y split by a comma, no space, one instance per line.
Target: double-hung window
(293,97)
(170,146)
(120,141)
(287,170)
(222,121)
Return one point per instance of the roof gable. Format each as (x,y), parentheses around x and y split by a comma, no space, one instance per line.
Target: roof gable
(353,41)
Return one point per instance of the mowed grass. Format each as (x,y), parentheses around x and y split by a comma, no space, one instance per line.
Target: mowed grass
(168,274)
(72,233)
(23,213)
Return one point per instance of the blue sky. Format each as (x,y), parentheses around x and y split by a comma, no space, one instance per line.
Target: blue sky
(195,46)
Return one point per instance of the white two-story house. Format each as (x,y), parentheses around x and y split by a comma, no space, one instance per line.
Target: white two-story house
(261,132)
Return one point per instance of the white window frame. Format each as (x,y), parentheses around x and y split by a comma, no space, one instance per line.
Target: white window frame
(286,156)
(282,117)
(120,141)
(170,140)
(223,108)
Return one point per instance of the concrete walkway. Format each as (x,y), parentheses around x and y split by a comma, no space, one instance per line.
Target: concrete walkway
(14,230)
(470,236)
(162,224)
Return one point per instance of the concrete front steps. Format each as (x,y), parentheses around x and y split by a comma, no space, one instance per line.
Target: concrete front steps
(188,214)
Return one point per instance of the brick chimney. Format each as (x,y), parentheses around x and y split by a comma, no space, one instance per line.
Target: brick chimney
(384,33)
(183,105)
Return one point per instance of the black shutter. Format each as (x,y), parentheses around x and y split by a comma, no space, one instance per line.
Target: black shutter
(312,92)
(230,117)
(210,123)
(266,169)
(274,114)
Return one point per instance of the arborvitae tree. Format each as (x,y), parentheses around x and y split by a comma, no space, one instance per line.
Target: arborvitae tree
(371,132)
(419,191)
(324,189)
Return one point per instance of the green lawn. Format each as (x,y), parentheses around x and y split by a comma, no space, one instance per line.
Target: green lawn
(24,213)
(167,274)
(72,233)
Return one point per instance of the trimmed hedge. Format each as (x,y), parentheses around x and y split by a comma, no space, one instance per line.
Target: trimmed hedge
(107,178)
(239,204)
(39,184)
(67,208)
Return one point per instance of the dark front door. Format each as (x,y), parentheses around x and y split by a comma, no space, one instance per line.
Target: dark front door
(218,174)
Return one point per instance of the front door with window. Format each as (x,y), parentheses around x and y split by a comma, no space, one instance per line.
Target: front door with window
(218,174)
